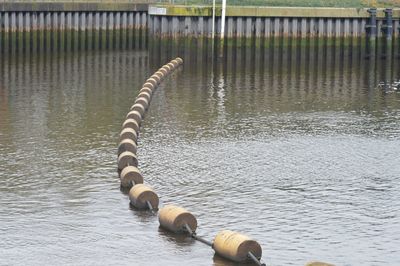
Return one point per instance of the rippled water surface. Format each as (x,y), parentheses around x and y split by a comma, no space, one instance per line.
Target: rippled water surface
(299,151)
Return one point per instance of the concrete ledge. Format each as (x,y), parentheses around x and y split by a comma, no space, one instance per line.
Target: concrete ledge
(303,12)
(71,6)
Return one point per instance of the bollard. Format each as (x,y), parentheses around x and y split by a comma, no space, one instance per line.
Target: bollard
(142,101)
(149,85)
(127,145)
(174,218)
(131,123)
(145,95)
(125,159)
(141,195)
(135,115)
(235,246)
(152,81)
(387,28)
(139,108)
(128,133)
(130,175)
(318,263)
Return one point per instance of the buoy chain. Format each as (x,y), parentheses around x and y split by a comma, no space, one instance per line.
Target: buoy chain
(195,236)
(254,258)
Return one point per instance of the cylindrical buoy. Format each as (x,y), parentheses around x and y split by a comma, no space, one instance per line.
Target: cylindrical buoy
(156,78)
(180,60)
(160,74)
(149,85)
(152,81)
(127,145)
(128,133)
(135,115)
(145,95)
(130,174)
(143,101)
(140,108)
(163,71)
(175,63)
(131,123)
(318,263)
(146,89)
(235,246)
(174,218)
(140,194)
(168,68)
(127,158)
(171,66)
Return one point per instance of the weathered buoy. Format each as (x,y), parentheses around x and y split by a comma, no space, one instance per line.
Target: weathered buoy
(135,115)
(146,89)
(168,68)
(145,95)
(164,71)
(131,123)
(174,218)
(140,108)
(156,78)
(130,175)
(127,158)
(128,133)
(180,60)
(160,74)
(235,246)
(152,81)
(318,263)
(171,66)
(149,85)
(143,101)
(140,194)
(127,145)
(175,63)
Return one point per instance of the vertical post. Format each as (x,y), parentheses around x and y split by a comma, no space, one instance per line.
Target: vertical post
(388,30)
(371,32)
(222,27)
(213,29)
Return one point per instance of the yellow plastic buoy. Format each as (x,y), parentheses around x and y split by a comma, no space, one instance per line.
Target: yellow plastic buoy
(144,95)
(135,115)
(160,74)
(140,194)
(127,158)
(127,145)
(128,133)
(180,60)
(235,246)
(146,89)
(318,263)
(168,68)
(175,63)
(152,81)
(130,174)
(171,66)
(164,71)
(149,85)
(174,218)
(156,78)
(140,108)
(143,101)
(131,123)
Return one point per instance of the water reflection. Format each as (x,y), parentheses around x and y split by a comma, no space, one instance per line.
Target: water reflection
(297,148)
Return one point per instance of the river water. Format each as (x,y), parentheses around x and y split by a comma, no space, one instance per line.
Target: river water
(300,151)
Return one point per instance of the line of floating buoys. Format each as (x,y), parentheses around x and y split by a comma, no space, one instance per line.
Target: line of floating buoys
(231,245)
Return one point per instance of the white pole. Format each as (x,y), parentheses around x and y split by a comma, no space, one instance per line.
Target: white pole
(213,31)
(222,26)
